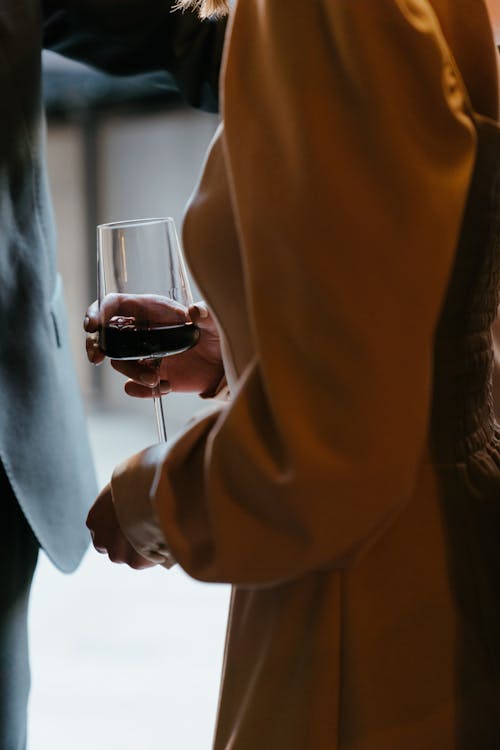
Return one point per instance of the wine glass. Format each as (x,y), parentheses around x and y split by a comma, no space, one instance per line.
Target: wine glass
(143,293)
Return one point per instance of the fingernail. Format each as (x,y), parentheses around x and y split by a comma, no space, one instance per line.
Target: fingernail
(165,387)
(86,321)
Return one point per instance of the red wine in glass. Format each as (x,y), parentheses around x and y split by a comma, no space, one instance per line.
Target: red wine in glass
(126,340)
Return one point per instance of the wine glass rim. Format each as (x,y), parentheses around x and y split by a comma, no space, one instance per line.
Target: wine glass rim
(136,222)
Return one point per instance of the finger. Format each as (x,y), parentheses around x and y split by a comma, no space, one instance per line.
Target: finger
(120,550)
(200,314)
(138,562)
(144,374)
(91,320)
(96,545)
(145,308)
(141,391)
(98,542)
(116,556)
(94,353)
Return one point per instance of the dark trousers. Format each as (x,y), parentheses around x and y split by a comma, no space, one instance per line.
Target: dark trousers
(18,556)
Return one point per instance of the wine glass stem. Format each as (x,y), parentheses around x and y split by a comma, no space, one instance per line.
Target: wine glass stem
(160,417)
(158,404)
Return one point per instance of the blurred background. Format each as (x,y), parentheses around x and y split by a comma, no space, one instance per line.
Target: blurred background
(120,659)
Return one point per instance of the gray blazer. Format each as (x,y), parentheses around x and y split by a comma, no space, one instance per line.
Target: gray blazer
(43,442)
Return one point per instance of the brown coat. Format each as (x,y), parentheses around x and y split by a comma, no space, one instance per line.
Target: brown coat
(323,234)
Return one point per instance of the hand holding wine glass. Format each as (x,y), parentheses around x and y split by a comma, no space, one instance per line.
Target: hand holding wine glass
(197,370)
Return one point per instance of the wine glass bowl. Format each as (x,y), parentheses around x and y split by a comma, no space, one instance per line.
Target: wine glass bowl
(143,293)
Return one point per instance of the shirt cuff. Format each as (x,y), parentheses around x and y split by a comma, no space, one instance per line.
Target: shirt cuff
(131,491)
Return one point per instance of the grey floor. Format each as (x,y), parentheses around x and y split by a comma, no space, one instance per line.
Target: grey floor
(124,659)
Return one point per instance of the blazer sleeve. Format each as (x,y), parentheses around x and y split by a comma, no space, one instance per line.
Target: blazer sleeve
(126,37)
(349,149)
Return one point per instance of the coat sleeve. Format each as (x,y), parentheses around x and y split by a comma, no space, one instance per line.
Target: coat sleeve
(349,149)
(126,37)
